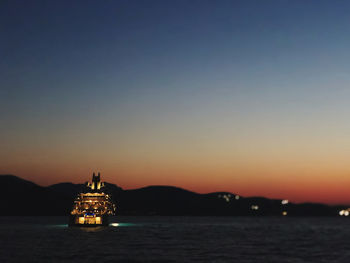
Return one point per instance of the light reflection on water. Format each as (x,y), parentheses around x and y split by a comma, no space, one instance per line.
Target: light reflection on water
(123,224)
(94,228)
(111,226)
(58,226)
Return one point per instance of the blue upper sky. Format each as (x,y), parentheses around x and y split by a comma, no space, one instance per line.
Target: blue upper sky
(123,46)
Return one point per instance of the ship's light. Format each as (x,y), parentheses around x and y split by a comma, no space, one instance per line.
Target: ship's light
(81,220)
(114,224)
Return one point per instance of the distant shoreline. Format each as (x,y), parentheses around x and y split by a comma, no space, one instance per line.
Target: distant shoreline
(24,198)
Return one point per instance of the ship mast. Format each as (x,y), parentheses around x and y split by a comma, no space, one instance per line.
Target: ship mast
(96,183)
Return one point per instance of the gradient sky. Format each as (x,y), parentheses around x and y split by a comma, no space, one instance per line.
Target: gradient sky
(250,97)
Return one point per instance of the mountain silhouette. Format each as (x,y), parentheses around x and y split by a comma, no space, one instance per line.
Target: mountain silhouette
(22,197)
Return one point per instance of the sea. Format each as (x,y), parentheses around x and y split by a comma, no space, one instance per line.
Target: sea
(177,239)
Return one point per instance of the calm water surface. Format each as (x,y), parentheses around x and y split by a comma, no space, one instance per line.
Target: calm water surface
(177,239)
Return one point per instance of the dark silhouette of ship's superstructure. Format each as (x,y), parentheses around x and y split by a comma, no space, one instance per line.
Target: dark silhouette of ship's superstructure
(92,207)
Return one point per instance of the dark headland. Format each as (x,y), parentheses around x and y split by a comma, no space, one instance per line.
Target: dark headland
(22,197)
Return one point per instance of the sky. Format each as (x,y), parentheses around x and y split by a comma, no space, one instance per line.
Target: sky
(250,97)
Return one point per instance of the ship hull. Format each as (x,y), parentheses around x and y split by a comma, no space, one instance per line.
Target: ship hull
(81,221)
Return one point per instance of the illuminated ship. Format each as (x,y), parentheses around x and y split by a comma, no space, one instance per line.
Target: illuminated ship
(92,207)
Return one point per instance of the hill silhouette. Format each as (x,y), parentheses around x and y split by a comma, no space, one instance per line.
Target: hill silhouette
(22,197)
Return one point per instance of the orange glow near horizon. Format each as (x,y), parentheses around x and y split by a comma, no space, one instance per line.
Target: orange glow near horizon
(304,184)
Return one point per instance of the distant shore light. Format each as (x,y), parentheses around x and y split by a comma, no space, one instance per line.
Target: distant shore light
(284,202)
(344,212)
(254,207)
